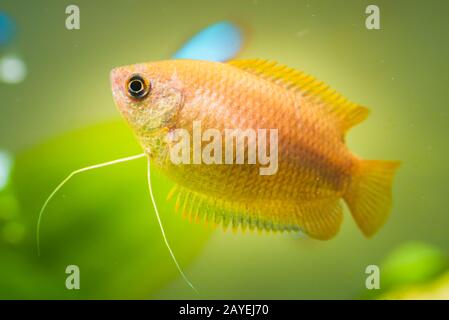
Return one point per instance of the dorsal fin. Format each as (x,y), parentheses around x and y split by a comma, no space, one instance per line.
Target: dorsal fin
(346,113)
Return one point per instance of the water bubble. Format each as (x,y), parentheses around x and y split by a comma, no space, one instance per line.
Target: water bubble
(12,69)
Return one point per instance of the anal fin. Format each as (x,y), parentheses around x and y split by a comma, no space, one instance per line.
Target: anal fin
(320,219)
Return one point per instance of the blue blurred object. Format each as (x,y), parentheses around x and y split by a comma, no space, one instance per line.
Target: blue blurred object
(218,42)
(7,28)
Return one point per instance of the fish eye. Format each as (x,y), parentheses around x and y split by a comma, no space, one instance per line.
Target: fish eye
(137,87)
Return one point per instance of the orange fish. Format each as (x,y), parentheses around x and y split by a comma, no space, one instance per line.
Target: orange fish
(315,169)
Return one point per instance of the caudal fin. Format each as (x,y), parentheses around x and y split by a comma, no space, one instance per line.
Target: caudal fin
(369,194)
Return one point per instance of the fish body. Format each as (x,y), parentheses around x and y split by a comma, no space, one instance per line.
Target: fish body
(315,169)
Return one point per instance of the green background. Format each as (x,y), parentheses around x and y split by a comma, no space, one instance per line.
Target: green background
(62,117)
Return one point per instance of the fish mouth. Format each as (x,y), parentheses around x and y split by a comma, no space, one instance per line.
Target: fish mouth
(116,74)
(114,77)
(117,78)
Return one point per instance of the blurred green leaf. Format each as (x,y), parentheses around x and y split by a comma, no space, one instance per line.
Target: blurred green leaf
(413,263)
(102,221)
(410,264)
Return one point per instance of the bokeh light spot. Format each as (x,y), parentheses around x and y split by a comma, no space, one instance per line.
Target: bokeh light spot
(5,168)
(12,69)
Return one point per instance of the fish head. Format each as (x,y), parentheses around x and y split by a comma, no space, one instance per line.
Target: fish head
(148,95)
